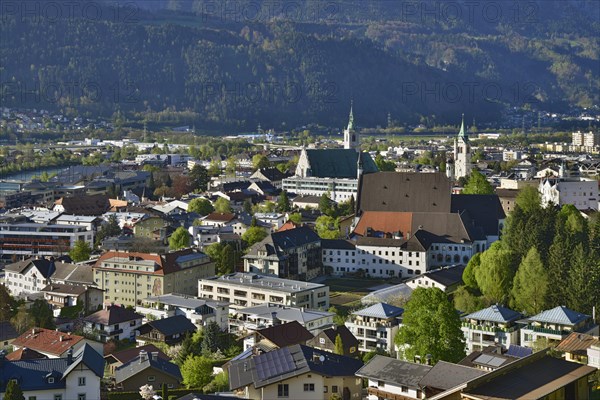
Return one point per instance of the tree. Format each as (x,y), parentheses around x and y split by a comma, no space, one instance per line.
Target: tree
(468,275)
(196,371)
(296,218)
(384,165)
(222,205)
(23,320)
(247,206)
(13,391)
(215,252)
(339,345)
(254,235)
(529,199)
(210,342)
(214,169)
(165,392)
(110,229)
(8,305)
(42,314)
(179,239)
(495,273)
(283,202)
(199,179)
(181,185)
(200,206)
(327,227)
(467,301)
(530,285)
(583,285)
(227,260)
(260,161)
(340,316)
(325,204)
(430,326)
(220,383)
(81,251)
(477,184)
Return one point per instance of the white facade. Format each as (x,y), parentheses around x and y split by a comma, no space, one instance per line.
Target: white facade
(462,154)
(259,317)
(580,192)
(30,281)
(339,189)
(245,289)
(399,390)
(121,331)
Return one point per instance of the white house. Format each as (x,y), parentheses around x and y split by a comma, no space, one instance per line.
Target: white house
(29,276)
(495,325)
(580,192)
(114,322)
(389,378)
(74,377)
(376,326)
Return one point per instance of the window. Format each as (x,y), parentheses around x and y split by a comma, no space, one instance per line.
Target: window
(58,397)
(283,390)
(81,396)
(51,380)
(325,389)
(82,381)
(404,389)
(334,389)
(32,398)
(151,378)
(309,387)
(322,340)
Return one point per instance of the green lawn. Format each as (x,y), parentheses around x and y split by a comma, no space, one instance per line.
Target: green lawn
(352,284)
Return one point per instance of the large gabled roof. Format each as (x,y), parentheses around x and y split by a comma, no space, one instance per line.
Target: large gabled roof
(47,340)
(45,266)
(445,375)
(380,310)
(169,326)
(338,163)
(495,313)
(287,334)
(136,366)
(113,315)
(394,372)
(560,315)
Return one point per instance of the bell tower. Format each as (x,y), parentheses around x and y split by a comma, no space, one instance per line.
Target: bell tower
(351,138)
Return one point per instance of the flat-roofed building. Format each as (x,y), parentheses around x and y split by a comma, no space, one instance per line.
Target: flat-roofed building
(245,289)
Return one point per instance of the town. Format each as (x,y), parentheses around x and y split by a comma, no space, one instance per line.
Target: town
(462,265)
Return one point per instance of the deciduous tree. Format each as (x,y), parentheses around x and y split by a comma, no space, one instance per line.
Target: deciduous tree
(222,205)
(477,184)
(253,235)
(13,391)
(327,227)
(495,273)
(179,239)
(200,206)
(196,371)
(81,251)
(530,285)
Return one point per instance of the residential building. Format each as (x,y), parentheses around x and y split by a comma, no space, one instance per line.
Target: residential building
(277,336)
(25,354)
(389,378)
(296,372)
(538,376)
(29,276)
(115,360)
(60,295)
(445,376)
(495,325)
(90,223)
(491,358)
(507,198)
(130,277)
(273,220)
(325,340)
(22,240)
(292,254)
(153,227)
(448,279)
(271,175)
(216,219)
(170,330)
(113,323)
(200,311)
(89,205)
(75,376)
(265,315)
(147,369)
(579,347)
(376,326)
(554,325)
(8,333)
(244,290)
(580,192)
(51,343)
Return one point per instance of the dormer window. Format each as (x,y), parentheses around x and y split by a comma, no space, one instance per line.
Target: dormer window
(51,379)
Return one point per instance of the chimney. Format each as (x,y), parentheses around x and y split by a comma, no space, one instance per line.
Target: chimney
(428,359)
(143,356)
(154,355)
(69,356)
(276,320)
(61,338)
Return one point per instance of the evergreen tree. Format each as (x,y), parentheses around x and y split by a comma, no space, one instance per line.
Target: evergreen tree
(583,287)
(283,202)
(247,206)
(210,342)
(199,179)
(227,260)
(13,391)
(530,286)
(339,345)
(8,305)
(559,265)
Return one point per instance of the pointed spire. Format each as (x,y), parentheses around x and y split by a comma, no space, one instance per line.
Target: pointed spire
(461,133)
(351,117)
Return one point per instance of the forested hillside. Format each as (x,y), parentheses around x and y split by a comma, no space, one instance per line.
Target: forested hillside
(233,64)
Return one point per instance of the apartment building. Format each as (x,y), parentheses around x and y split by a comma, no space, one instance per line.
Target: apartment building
(495,325)
(113,323)
(22,240)
(244,290)
(376,326)
(128,277)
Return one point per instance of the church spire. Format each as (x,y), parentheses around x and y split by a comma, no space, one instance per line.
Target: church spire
(351,117)
(461,133)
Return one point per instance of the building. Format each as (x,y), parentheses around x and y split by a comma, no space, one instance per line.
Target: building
(351,137)
(8,333)
(265,315)
(113,323)
(277,336)
(244,290)
(77,375)
(198,310)
(22,240)
(375,327)
(29,276)
(60,295)
(115,360)
(580,192)
(147,369)
(130,277)
(461,166)
(325,340)
(271,175)
(586,141)
(292,254)
(552,326)
(296,372)
(444,376)
(170,330)
(51,343)
(153,227)
(92,205)
(217,220)
(389,378)
(447,279)
(580,348)
(495,325)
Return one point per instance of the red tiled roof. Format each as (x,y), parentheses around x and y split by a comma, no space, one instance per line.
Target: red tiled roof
(384,221)
(224,217)
(47,341)
(25,354)
(113,315)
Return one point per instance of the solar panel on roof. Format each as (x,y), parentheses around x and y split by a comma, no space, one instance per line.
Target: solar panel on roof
(496,361)
(518,351)
(274,363)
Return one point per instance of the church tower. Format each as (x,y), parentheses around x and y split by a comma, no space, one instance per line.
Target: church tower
(351,139)
(462,153)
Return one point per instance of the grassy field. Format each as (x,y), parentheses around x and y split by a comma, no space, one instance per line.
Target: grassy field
(346,293)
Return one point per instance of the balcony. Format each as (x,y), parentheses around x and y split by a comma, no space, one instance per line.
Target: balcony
(386,395)
(547,331)
(489,328)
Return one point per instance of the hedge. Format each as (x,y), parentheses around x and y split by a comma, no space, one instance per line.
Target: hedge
(177,393)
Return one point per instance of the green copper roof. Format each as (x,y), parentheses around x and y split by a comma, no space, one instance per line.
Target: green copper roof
(461,133)
(338,163)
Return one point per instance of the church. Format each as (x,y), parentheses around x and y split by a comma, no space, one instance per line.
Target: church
(333,171)
(460,165)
